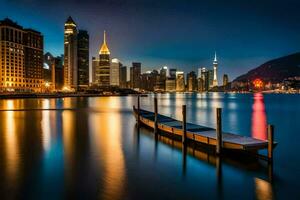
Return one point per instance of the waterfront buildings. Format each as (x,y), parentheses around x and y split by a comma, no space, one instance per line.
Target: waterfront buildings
(103,68)
(135,75)
(95,75)
(21,58)
(115,72)
(225,80)
(191,81)
(123,77)
(171,84)
(180,83)
(70,55)
(83,58)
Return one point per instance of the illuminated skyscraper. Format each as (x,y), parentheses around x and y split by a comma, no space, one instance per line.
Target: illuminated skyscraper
(103,70)
(70,54)
(83,58)
(115,72)
(21,58)
(180,83)
(215,65)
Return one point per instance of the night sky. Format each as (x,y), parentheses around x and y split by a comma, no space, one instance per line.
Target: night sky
(180,34)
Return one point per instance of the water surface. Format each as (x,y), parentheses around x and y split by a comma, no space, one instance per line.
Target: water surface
(90,148)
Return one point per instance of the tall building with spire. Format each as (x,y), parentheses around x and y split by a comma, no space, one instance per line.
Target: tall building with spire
(102,76)
(215,65)
(70,54)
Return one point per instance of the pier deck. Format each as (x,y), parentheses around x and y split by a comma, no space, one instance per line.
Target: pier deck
(201,134)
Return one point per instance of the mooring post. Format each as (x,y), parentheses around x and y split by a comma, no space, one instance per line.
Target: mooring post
(270,141)
(138,107)
(219,131)
(183,124)
(155,115)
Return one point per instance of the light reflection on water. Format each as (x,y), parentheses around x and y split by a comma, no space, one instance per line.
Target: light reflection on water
(94,150)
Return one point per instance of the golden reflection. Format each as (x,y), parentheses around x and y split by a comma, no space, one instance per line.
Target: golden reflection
(259,118)
(46,126)
(68,124)
(263,189)
(106,138)
(11,141)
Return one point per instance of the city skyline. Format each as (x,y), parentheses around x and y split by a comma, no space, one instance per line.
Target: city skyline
(241,44)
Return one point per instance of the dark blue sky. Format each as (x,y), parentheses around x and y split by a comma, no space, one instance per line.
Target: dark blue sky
(181,34)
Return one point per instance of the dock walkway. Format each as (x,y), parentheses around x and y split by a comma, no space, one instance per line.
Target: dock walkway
(198,133)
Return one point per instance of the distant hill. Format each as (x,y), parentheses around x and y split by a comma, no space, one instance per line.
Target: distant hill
(275,70)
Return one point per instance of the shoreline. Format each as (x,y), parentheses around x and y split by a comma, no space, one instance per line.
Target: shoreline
(63,95)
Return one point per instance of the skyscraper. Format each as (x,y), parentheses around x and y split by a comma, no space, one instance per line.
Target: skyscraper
(215,65)
(123,77)
(95,75)
(191,81)
(135,75)
(21,58)
(225,79)
(70,55)
(180,83)
(83,58)
(103,70)
(115,72)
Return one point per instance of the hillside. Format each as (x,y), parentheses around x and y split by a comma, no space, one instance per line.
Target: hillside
(274,70)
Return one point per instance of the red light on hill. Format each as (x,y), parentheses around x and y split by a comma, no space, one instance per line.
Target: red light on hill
(258,83)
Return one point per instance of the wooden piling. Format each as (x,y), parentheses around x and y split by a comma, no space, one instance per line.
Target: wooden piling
(270,141)
(155,116)
(139,109)
(219,131)
(183,124)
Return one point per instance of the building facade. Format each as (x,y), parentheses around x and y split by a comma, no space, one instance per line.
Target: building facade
(225,80)
(83,58)
(135,75)
(21,58)
(180,83)
(103,69)
(123,77)
(115,72)
(70,55)
(191,81)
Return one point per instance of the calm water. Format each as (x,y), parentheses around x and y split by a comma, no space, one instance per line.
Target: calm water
(90,148)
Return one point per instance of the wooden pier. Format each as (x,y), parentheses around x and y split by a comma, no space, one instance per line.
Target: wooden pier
(202,134)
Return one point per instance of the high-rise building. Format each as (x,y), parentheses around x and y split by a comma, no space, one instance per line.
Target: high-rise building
(171,84)
(83,58)
(200,85)
(115,72)
(180,83)
(59,73)
(205,79)
(103,69)
(191,81)
(95,74)
(21,58)
(135,75)
(173,73)
(211,78)
(225,79)
(48,67)
(215,65)
(70,55)
(123,77)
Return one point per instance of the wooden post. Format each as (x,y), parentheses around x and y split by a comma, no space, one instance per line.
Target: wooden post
(155,116)
(138,107)
(183,124)
(219,131)
(270,141)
